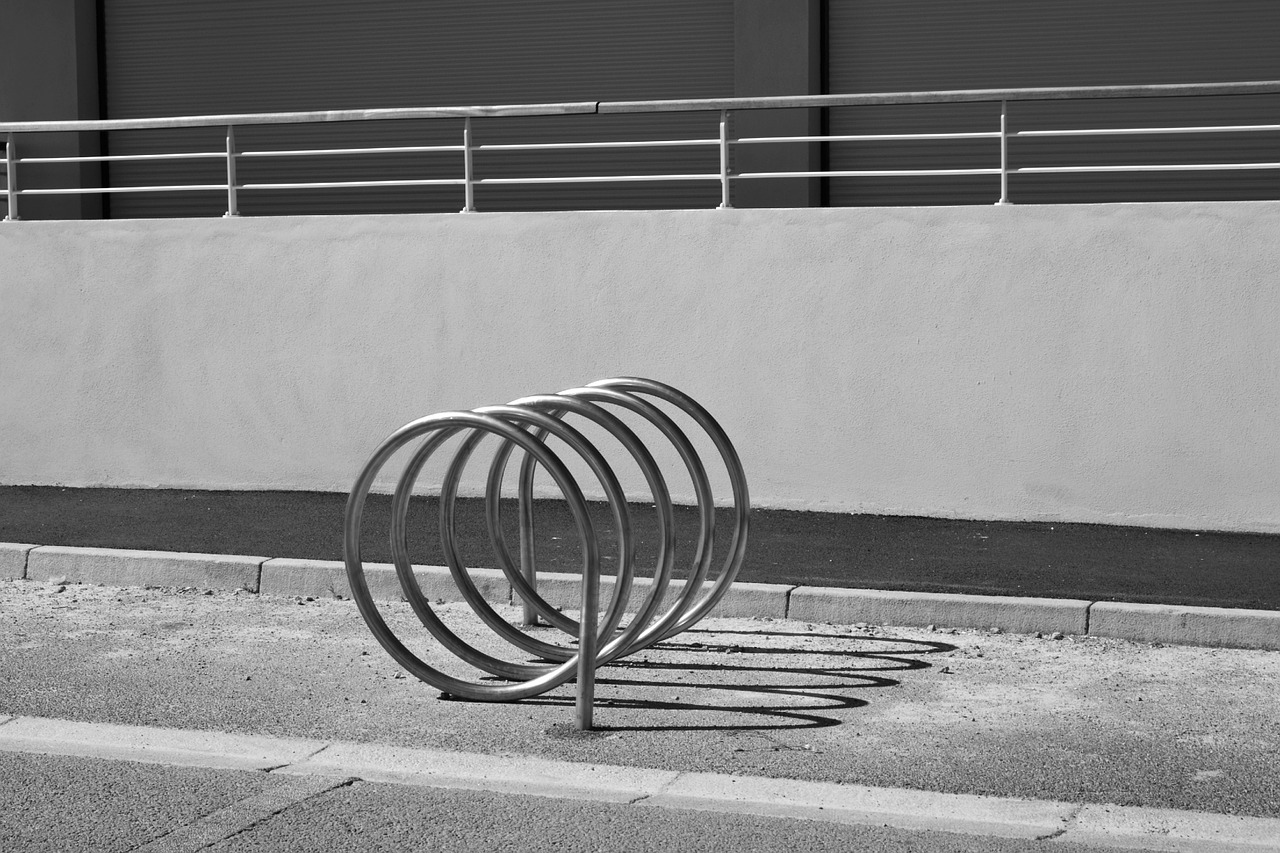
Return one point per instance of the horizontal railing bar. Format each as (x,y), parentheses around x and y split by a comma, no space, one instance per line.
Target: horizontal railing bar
(583,179)
(751,140)
(869,173)
(1104,131)
(944,97)
(1178,167)
(94,190)
(604,179)
(551,146)
(313,117)
(308,152)
(688,105)
(423,182)
(113,158)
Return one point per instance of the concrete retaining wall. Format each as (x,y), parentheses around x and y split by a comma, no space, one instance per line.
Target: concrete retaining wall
(1111,363)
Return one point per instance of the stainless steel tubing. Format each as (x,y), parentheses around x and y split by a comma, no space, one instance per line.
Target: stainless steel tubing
(525,424)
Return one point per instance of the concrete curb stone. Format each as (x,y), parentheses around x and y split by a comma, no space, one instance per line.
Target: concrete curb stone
(1186,625)
(1173,624)
(755,601)
(1139,827)
(512,774)
(154,745)
(743,600)
(563,591)
(857,804)
(13,560)
(884,607)
(315,578)
(143,568)
(328,579)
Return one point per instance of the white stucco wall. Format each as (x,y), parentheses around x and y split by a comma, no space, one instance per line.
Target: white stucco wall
(1111,363)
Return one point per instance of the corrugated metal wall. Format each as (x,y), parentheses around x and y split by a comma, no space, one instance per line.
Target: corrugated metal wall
(920,45)
(174,57)
(190,57)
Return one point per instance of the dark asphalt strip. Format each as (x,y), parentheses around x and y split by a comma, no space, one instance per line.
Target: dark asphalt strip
(1041,559)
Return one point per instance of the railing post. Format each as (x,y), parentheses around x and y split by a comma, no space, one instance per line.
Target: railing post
(724,160)
(469,203)
(11,178)
(1004,153)
(233,208)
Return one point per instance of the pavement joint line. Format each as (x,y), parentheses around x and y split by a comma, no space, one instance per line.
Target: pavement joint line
(14,557)
(321,749)
(1173,624)
(335,764)
(1066,825)
(242,815)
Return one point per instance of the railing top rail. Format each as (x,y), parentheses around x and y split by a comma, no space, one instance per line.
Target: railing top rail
(315,116)
(689,105)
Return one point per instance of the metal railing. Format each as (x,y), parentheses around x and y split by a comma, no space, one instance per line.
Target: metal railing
(469,180)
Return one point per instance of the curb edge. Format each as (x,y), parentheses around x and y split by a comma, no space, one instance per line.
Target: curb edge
(1151,623)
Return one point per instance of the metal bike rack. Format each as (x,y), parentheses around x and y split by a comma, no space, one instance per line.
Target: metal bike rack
(524,424)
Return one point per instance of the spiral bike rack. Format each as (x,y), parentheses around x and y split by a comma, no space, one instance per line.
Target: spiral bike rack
(524,424)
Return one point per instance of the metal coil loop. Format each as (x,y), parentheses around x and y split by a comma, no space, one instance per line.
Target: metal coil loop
(524,425)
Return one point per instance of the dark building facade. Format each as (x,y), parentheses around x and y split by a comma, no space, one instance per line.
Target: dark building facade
(122,59)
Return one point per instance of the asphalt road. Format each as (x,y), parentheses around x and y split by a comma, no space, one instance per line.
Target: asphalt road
(1091,562)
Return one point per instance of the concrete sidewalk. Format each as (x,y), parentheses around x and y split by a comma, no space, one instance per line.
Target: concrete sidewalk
(1081,739)
(1226,627)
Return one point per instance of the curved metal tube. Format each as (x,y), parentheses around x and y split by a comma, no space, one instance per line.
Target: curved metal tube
(525,425)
